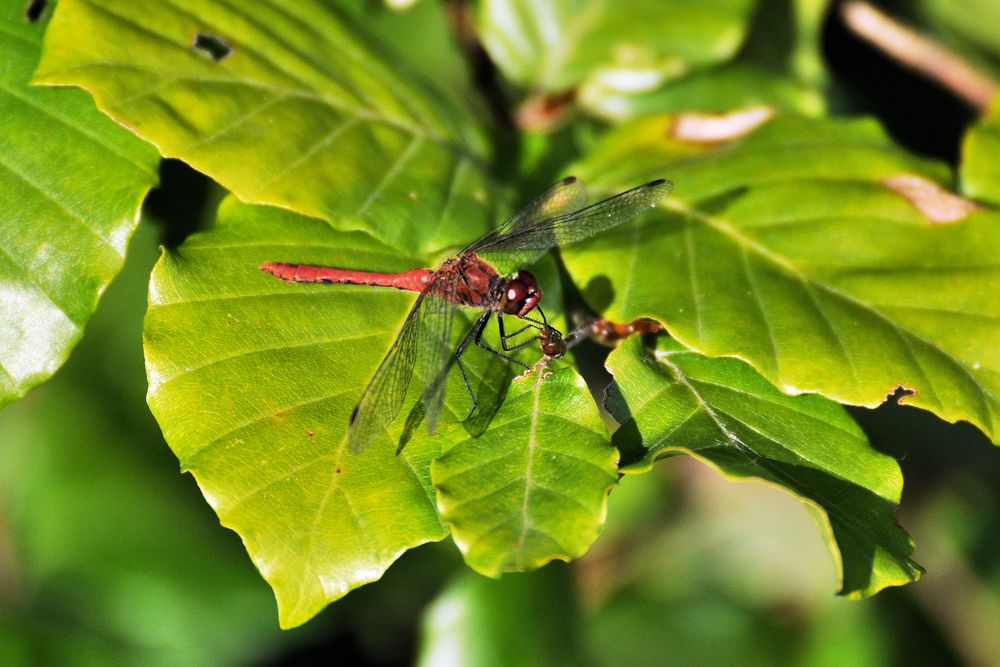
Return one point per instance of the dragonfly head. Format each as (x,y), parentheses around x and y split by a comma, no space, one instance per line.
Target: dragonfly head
(552,343)
(520,294)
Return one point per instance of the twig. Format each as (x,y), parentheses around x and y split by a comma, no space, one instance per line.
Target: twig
(920,53)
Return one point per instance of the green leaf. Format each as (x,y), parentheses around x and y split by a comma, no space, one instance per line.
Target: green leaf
(534,486)
(253,381)
(717,89)
(521,620)
(726,414)
(71,182)
(554,45)
(302,113)
(980,168)
(436,55)
(796,250)
(786,37)
(780,65)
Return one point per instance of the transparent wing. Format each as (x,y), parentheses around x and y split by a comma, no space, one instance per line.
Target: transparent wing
(383,397)
(435,347)
(524,244)
(569,194)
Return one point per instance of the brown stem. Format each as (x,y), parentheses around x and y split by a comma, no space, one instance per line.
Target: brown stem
(920,53)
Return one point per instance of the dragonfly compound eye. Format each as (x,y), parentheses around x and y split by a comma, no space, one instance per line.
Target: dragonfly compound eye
(521,294)
(514,295)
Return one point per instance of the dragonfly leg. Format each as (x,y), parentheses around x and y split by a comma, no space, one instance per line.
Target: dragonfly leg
(507,357)
(474,334)
(544,324)
(519,331)
(504,336)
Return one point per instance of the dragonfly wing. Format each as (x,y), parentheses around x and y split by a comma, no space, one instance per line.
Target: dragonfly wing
(526,244)
(383,397)
(566,196)
(435,347)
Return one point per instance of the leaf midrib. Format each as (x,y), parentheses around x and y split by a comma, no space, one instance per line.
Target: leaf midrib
(829,505)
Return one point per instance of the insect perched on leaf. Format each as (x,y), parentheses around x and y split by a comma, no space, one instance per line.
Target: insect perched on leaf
(556,217)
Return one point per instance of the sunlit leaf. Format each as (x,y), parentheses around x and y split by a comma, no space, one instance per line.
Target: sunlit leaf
(71,182)
(726,414)
(534,486)
(803,250)
(286,105)
(980,170)
(253,381)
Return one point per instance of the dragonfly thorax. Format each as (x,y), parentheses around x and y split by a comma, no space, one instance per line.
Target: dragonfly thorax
(520,295)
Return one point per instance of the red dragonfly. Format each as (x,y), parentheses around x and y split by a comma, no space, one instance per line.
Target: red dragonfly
(556,217)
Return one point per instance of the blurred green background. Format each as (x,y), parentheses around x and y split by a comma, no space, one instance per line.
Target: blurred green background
(109,554)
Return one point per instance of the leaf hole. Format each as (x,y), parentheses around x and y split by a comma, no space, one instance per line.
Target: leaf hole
(35,10)
(900,394)
(213,46)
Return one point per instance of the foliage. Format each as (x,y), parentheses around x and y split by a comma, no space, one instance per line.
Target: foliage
(979,168)
(804,261)
(76,181)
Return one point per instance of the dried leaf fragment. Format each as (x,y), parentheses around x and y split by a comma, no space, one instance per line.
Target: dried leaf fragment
(710,128)
(937,203)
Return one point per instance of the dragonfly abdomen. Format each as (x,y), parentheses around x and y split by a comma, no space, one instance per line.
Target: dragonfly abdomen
(413,280)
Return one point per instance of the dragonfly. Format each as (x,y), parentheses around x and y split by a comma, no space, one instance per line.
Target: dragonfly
(559,216)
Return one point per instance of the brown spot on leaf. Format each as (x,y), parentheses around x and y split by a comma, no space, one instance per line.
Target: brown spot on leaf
(310,432)
(935,202)
(712,128)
